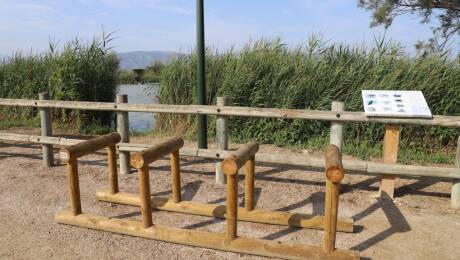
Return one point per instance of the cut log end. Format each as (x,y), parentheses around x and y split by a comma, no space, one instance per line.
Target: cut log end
(137,160)
(335,174)
(230,166)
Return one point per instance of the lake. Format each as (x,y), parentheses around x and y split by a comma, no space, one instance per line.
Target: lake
(140,94)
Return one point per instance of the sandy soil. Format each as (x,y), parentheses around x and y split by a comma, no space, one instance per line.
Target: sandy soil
(419,224)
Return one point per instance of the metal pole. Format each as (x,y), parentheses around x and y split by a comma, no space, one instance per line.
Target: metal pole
(201,90)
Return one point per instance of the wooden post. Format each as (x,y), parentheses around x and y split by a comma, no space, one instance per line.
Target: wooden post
(74,186)
(249,184)
(46,129)
(455,196)
(221,138)
(334,175)
(337,127)
(175,172)
(390,155)
(144,189)
(232,207)
(123,130)
(112,163)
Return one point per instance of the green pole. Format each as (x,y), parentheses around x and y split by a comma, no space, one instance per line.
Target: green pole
(201,90)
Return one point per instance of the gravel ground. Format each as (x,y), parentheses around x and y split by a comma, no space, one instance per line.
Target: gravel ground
(418,224)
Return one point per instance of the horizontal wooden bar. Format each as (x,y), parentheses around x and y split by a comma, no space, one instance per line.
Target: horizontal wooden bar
(91,145)
(373,168)
(277,249)
(156,151)
(236,159)
(219,211)
(345,116)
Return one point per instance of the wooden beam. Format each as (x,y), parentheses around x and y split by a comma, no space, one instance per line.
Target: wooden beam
(112,163)
(123,130)
(334,175)
(249,184)
(145,200)
(235,160)
(175,176)
(46,130)
(346,116)
(276,249)
(74,186)
(219,211)
(390,156)
(90,146)
(357,166)
(155,152)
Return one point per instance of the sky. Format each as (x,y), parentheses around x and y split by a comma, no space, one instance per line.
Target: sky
(169,25)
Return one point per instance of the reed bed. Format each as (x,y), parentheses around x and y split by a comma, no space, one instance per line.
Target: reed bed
(81,71)
(267,73)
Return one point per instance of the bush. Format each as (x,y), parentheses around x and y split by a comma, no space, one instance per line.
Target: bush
(269,74)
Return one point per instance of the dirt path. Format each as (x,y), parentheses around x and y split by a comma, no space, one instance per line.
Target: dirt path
(419,225)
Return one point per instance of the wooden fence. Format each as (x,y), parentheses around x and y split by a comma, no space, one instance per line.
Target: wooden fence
(337,116)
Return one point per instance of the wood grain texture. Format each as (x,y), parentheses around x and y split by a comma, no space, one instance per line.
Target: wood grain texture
(91,145)
(232,207)
(390,156)
(346,116)
(258,215)
(217,241)
(145,200)
(175,176)
(249,184)
(74,186)
(235,160)
(112,164)
(155,152)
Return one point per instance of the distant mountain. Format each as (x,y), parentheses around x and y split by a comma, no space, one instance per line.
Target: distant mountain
(142,59)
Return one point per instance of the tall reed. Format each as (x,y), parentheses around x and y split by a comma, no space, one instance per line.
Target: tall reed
(267,73)
(81,71)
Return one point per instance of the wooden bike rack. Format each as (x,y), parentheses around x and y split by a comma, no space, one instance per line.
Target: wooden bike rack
(220,241)
(247,213)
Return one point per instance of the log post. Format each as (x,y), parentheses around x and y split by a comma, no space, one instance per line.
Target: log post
(221,138)
(334,175)
(455,196)
(112,163)
(144,190)
(74,186)
(337,127)
(175,172)
(123,130)
(390,156)
(46,130)
(249,184)
(232,207)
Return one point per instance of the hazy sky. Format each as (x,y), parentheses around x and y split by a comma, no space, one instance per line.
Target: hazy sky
(170,24)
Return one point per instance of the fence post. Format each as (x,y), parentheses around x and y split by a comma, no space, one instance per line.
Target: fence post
(47,130)
(390,155)
(221,139)
(336,127)
(455,196)
(123,130)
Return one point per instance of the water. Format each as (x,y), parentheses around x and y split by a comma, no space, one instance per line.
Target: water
(140,94)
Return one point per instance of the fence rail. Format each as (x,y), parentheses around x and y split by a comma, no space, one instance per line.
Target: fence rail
(332,116)
(338,117)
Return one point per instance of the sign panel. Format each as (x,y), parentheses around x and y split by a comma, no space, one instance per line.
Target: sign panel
(394,103)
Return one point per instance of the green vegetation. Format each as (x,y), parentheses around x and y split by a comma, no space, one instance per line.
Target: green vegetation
(269,74)
(150,74)
(81,71)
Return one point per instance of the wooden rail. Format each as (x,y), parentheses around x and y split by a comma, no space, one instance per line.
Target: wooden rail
(337,116)
(358,166)
(332,116)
